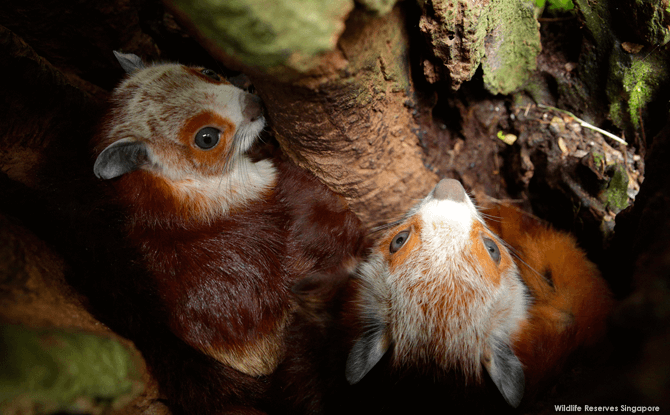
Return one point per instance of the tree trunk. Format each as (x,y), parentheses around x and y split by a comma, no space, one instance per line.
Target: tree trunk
(352,122)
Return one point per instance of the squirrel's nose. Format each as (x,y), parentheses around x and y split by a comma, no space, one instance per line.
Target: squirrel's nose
(253,107)
(449,189)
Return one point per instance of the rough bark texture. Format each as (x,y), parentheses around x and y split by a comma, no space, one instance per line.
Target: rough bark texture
(352,124)
(378,119)
(502,36)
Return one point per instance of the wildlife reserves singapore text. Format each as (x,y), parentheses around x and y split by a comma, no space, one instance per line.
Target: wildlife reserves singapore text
(619,408)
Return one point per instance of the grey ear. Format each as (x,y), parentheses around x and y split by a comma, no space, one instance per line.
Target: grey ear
(506,372)
(119,158)
(129,62)
(366,353)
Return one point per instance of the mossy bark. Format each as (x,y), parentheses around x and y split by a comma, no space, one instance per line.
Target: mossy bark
(500,35)
(268,34)
(624,59)
(56,370)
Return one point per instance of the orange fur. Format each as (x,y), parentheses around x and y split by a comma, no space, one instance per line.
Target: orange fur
(414,228)
(571,301)
(208,162)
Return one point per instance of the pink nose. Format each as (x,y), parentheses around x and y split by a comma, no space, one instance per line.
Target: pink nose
(449,189)
(253,107)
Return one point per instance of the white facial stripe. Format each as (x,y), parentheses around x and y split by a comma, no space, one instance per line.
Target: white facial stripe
(444,220)
(246,135)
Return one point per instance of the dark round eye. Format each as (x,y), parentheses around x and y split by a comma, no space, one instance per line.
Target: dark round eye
(398,241)
(492,249)
(210,73)
(207,138)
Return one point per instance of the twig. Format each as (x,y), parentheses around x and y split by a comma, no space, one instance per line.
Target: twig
(585,124)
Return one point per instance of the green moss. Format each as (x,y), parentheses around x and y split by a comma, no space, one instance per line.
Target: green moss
(512,45)
(270,33)
(475,21)
(641,81)
(468,22)
(557,5)
(618,62)
(596,18)
(653,25)
(615,195)
(46,371)
(626,82)
(479,24)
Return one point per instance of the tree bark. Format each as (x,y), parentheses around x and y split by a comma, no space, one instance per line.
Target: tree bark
(353,123)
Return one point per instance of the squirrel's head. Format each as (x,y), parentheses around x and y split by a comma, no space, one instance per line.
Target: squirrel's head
(189,129)
(445,292)
(177,121)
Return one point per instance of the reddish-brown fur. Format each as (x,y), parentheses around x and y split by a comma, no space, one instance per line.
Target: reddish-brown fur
(227,283)
(220,328)
(571,301)
(213,310)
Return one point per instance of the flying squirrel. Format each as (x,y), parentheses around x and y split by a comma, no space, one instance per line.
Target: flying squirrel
(222,237)
(453,289)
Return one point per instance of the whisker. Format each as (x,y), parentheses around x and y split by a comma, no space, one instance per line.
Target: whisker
(491,218)
(390,223)
(218,187)
(385,226)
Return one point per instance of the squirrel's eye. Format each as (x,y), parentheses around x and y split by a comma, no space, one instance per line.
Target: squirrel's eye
(210,73)
(492,249)
(207,138)
(398,241)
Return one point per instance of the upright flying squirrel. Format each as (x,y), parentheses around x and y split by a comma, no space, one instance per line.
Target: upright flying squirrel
(222,237)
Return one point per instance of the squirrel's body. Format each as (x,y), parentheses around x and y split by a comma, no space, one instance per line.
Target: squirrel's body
(222,238)
(570,302)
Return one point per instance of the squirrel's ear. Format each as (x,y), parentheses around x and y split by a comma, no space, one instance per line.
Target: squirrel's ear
(506,372)
(129,62)
(366,353)
(119,158)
